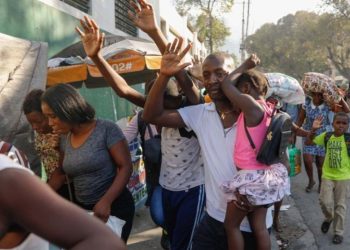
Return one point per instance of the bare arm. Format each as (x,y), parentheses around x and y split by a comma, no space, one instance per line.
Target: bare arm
(252,110)
(299,131)
(57,179)
(121,156)
(301,117)
(146,21)
(92,40)
(154,110)
(311,135)
(58,176)
(28,202)
(344,105)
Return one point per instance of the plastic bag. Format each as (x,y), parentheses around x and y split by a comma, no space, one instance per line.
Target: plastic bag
(114,223)
(294,160)
(285,87)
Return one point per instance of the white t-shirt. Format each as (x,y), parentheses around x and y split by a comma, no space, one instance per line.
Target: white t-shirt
(32,242)
(217,146)
(132,130)
(182,165)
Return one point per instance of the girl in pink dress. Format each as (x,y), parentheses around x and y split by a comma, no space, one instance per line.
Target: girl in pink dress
(261,185)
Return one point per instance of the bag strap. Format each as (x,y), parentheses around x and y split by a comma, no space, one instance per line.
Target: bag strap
(248,136)
(150,130)
(326,138)
(141,125)
(347,142)
(247,132)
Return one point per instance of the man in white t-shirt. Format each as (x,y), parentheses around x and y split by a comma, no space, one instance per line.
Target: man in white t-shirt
(214,125)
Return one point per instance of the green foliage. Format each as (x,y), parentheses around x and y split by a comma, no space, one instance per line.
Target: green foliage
(303,42)
(340,7)
(208,6)
(211,28)
(219,31)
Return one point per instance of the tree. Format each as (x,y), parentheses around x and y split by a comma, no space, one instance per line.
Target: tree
(290,46)
(337,42)
(208,10)
(218,34)
(340,7)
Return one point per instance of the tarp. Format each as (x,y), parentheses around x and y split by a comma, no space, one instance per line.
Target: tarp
(23,67)
(136,59)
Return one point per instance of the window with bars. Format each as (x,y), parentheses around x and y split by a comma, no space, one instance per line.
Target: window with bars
(122,20)
(82,5)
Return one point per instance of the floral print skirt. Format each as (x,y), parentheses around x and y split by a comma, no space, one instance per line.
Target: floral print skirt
(261,187)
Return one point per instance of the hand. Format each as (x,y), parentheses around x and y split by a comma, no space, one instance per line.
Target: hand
(102,210)
(144,18)
(91,38)
(196,68)
(252,61)
(317,123)
(172,57)
(242,202)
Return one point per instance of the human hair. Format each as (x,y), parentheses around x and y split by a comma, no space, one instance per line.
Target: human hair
(223,55)
(171,87)
(68,105)
(256,79)
(32,102)
(340,114)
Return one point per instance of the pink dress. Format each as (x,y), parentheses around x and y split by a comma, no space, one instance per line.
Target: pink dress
(260,183)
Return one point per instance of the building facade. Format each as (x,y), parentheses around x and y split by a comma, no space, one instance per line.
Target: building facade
(53,21)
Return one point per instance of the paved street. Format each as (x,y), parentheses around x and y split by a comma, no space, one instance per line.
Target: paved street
(145,234)
(301,224)
(308,206)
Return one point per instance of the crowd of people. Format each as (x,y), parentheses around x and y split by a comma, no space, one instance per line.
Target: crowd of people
(207,190)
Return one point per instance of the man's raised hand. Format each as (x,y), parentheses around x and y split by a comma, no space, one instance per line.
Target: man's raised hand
(172,57)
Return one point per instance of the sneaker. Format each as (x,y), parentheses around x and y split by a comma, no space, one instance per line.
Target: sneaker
(325,226)
(337,239)
(164,241)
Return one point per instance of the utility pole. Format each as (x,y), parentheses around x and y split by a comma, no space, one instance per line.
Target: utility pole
(242,42)
(247,25)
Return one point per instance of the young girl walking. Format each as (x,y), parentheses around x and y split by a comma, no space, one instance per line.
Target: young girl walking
(259,184)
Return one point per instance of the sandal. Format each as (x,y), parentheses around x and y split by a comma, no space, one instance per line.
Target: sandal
(309,187)
(325,226)
(337,239)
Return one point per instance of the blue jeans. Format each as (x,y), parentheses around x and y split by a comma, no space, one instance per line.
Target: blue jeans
(156,206)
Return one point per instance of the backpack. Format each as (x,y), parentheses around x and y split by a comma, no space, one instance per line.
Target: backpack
(274,146)
(151,148)
(346,138)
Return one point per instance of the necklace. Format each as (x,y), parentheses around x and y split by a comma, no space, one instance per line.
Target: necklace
(223,114)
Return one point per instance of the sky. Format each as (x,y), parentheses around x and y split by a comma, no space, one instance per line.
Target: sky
(261,12)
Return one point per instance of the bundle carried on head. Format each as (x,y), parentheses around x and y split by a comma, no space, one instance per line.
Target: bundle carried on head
(285,87)
(321,83)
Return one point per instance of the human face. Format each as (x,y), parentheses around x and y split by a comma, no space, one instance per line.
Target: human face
(340,125)
(317,98)
(214,72)
(39,122)
(58,126)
